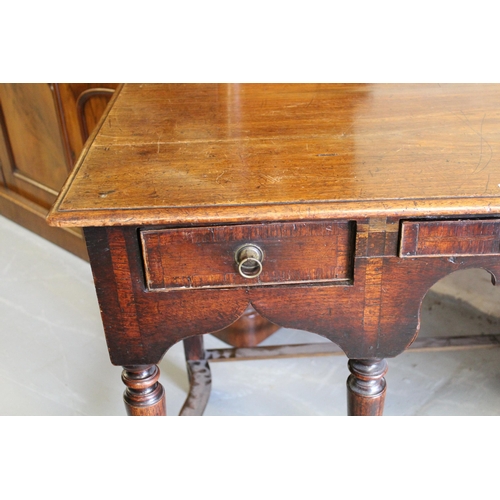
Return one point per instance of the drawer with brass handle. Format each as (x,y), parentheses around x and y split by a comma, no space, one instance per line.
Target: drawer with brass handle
(248,255)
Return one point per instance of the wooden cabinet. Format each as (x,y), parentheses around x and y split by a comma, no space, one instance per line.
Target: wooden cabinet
(42,131)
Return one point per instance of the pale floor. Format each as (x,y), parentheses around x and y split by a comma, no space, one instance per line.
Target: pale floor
(54,361)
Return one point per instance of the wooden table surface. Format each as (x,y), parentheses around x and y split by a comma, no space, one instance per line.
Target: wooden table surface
(174,154)
(326,208)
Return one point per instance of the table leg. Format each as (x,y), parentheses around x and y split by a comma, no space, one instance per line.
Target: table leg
(366,387)
(144,395)
(200,378)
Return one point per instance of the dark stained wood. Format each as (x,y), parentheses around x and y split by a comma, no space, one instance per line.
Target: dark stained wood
(377,315)
(377,237)
(366,387)
(249,330)
(144,395)
(202,257)
(177,175)
(194,348)
(451,238)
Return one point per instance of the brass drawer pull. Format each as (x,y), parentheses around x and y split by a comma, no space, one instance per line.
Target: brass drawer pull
(292,253)
(249,259)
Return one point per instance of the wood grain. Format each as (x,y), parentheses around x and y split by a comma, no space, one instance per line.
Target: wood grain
(205,257)
(451,238)
(366,387)
(288,152)
(37,152)
(178,176)
(377,315)
(31,147)
(144,395)
(81,106)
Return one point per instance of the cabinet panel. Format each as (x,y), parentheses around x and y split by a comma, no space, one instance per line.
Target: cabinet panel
(43,128)
(32,153)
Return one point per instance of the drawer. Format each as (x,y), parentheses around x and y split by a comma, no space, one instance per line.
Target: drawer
(312,252)
(450,238)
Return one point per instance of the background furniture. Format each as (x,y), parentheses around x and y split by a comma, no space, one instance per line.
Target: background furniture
(42,131)
(328,208)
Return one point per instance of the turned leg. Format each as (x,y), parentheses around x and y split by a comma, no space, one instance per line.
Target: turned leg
(366,387)
(199,376)
(144,395)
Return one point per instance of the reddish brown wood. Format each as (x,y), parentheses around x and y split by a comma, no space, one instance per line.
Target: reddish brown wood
(81,106)
(450,238)
(366,387)
(247,331)
(370,158)
(202,257)
(252,153)
(377,315)
(194,348)
(144,395)
(90,106)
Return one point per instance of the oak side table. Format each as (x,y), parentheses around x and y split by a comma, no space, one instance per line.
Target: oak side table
(328,208)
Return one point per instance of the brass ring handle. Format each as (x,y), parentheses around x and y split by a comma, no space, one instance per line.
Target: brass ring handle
(249,258)
(254,273)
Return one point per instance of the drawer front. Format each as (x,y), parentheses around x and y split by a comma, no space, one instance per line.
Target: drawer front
(450,238)
(309,252)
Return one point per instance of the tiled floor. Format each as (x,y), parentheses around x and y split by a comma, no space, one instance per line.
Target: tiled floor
(54,361)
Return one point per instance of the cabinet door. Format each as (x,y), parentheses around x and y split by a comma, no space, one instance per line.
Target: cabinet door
(42,131)
(31,150)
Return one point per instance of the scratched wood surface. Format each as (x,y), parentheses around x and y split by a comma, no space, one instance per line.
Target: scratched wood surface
(293,253)
(199,153)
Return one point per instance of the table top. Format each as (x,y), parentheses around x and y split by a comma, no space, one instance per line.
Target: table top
(216,153)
